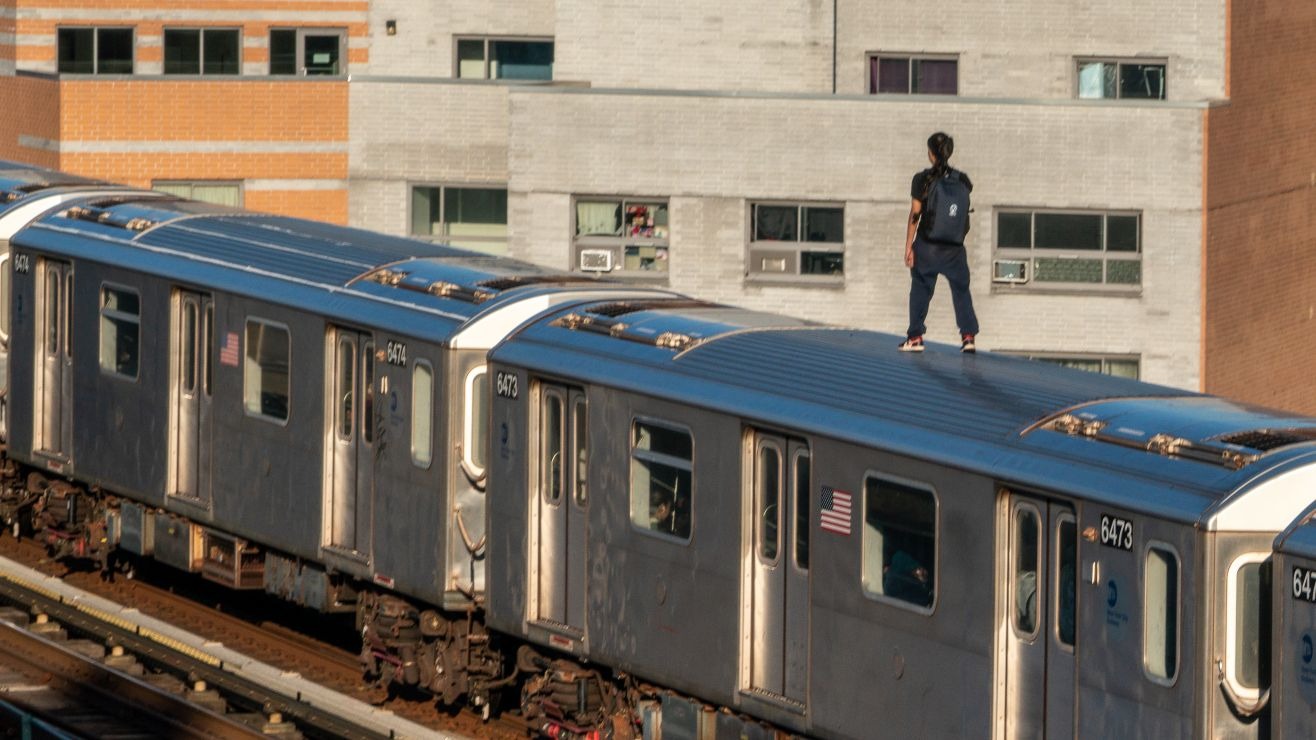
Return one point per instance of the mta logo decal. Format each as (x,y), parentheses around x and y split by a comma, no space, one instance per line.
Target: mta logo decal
(1306,648)
(1112,594)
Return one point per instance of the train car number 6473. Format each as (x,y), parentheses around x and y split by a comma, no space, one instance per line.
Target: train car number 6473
(1116,532)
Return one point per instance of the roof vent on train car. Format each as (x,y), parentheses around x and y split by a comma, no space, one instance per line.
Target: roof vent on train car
(604,318)
(516,281)
(401,279)
(107,217)
(1266,440)
(1223,452)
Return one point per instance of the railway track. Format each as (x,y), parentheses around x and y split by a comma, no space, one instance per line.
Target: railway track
(291,640)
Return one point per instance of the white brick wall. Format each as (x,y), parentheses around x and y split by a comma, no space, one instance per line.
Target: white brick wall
(714,154)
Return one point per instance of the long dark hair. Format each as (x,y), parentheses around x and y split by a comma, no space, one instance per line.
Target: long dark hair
(941,146)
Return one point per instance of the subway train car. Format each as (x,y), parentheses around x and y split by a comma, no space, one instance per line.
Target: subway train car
(1292,644)
(275,404)
(638,513)
(26,192)
(802,524)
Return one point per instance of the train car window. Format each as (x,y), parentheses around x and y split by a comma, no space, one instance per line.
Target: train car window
(551,434)
(265,370)
(53,318)
(900,542)
(1160,619)
(5,287)
(580,440)
(476,438)
(208,354)
(802,464)
(368,392)
(1248,652)
(422,414)
(346,376)
(1027,550)
(769,502)
(188,347)
(662,463)
(121,318)
(1066,579)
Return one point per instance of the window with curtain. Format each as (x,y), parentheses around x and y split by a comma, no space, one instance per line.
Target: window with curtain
(471,217)
(913,74)
(1136,79)
(797,240)
(219,193)
(629,237)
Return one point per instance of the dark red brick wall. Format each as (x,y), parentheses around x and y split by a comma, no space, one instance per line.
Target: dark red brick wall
(1259,312)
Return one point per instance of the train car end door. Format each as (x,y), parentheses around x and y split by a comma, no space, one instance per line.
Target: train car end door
(54,366)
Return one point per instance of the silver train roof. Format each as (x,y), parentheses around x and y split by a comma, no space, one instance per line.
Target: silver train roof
(1149,448)
(416,288)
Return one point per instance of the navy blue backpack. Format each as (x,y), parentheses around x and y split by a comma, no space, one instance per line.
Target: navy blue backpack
(947,209)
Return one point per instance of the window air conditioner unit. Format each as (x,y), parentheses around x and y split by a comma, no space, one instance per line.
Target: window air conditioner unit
(596,260)
(1009,271)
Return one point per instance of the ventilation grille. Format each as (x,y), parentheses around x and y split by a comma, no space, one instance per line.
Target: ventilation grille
(516,281)
(1269,439)
(621,308)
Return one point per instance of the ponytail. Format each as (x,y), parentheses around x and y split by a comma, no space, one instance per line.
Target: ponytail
(941,146)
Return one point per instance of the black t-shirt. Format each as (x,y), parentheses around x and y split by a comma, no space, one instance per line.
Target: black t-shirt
(918,190)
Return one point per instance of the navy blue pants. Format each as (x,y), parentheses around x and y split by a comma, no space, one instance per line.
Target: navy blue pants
(930,260)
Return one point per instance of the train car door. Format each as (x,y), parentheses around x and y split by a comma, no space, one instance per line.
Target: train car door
(55,368)
(1042,586)
(351,392)
(191,360)
(776,617)
(559,508)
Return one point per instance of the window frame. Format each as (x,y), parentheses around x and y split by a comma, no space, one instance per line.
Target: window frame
(1172,551)
(1231,623)
(497,245)
(798,248)
(201,51)
(910,58)
(487,40)
(96,46)
(617,245)
(882,598)
(473,470)
(428,460)
(761,446)
(1023,506)
(661,459)
(113,315)
(803,497)
(1053,358)
(1032,253)
(1120,62)
(299,49)
(192,185)
(246,401)
(1071,518)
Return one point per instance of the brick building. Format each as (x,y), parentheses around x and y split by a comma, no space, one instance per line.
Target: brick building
(1131,163)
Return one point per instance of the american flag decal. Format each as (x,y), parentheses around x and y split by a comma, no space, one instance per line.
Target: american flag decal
(228,354)
(835,510)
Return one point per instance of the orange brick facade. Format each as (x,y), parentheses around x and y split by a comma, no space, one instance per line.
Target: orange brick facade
(285,139)
(1260,252)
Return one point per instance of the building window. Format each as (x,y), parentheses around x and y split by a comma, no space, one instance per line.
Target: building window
(121,319)
(504,59)
(1121,366)
(906,74)
(1121,78)
(100,51)
(469,217)
(219,193)
(265,370)
(195,51)
(1160,618)
(1068,249)
(626,234)
(662,461)
(308,51)
(900,542)
(797,239)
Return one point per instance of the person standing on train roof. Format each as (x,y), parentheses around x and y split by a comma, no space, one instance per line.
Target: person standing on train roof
(934,244)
